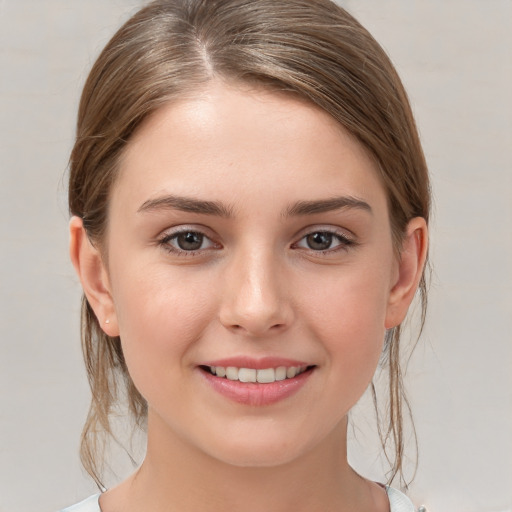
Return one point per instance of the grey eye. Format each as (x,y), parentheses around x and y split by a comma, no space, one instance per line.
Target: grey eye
(189,241)
(324,241)
(319,241)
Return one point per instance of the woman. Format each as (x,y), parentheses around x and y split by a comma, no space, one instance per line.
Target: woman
(250,205)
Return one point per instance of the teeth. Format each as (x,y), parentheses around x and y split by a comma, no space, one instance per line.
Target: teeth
(281,373)
(264,376)
(247,375)
(291,372)
(232,373)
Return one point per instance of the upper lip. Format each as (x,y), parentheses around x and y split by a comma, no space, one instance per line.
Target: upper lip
(255,363)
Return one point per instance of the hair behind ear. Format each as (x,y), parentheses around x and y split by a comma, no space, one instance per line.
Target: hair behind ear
(102,351)
(410,280)
(106,368)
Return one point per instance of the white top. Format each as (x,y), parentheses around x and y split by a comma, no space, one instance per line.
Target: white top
(398,503)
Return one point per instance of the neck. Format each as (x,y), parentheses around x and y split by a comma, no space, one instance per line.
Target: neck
(178,477)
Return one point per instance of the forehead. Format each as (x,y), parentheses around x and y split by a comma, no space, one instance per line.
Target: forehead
(227,139)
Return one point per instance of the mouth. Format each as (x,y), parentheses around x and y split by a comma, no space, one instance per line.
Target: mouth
(261,376)
(261,386)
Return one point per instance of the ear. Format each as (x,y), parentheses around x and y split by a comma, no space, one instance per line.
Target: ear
(93,275)
(410,268)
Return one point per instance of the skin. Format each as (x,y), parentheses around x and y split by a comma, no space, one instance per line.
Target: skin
(256,287)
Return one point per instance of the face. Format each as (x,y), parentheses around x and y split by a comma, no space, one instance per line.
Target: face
(251,272)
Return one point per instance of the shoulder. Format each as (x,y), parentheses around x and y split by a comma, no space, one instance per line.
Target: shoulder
(399,502)
(91,504)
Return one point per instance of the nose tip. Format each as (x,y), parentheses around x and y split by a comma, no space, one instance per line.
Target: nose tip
(257,323)
(255,304)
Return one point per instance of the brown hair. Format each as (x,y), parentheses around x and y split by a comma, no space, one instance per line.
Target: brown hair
(311,48)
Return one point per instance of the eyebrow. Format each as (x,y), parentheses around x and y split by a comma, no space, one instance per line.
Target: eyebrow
(327,205)
(191,205)
(186,204)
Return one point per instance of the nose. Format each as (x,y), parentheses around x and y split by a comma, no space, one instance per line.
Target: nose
(255,295)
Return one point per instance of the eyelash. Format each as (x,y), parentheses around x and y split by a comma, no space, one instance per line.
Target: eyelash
(165,242)
(344,242)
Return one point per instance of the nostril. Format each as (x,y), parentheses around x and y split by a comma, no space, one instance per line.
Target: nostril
(256,331)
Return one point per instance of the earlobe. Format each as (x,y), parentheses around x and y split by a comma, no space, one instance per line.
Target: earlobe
(93,275)
(410,269)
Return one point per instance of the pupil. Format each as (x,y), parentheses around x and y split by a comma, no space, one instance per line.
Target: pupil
(190,241)
(319,241)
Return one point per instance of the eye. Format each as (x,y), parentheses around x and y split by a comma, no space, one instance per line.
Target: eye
(186,241)
(319,241)
(189,241)
(322,241)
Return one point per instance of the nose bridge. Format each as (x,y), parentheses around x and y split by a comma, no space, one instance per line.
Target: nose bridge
(254,297)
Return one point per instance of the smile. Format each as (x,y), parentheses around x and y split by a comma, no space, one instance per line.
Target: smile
(256,381)
(262,376)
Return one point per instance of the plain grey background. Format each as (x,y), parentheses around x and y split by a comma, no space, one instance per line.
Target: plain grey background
(455,58)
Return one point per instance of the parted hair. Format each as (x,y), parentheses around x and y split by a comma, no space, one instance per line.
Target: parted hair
(169,50)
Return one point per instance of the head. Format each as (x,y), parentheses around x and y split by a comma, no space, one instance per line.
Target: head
(308,50)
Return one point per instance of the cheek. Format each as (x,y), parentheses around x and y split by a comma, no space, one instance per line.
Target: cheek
(348,314)
(161,315)
(355,297)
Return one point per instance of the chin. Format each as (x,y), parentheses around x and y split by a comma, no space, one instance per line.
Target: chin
(260,452)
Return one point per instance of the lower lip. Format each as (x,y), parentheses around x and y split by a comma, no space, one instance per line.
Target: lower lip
(256,394)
